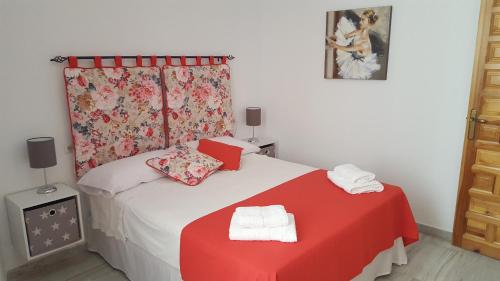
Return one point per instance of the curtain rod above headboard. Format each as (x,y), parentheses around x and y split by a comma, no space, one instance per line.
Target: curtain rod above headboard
(61,59)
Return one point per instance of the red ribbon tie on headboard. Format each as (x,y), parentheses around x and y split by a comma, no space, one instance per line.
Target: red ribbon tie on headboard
(73,62)
(138,60)
(98,62)
(153,60)
(118,61)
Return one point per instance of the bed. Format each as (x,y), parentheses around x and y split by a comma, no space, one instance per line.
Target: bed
(139,231)
(161,229)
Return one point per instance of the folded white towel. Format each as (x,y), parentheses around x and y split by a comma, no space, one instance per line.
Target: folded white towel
(353,174)
(355,188)
(285,233)
(267,216)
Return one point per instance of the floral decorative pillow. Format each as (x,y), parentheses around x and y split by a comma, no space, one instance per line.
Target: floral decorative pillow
(199,102)
(114,113)
(185,164)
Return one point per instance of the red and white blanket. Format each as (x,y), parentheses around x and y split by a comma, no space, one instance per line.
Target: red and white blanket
(338,235)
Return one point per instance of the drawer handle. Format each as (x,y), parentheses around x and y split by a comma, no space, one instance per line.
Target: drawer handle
(52,212)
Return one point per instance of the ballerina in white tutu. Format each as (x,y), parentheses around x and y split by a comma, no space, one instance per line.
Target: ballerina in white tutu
(355,57)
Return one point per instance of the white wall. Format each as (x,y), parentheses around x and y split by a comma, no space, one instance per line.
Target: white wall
(4,228)
(2,28)
(408,129)
(3,275)
(2,271)
(32,88)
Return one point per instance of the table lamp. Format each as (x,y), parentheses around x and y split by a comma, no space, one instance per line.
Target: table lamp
(42,154)
(253,119)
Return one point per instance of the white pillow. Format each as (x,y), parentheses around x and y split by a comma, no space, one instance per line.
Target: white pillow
(247,147)
(120,175)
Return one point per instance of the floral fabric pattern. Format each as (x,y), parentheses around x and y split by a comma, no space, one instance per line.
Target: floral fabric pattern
(185,164)
(114,113)
(199,102)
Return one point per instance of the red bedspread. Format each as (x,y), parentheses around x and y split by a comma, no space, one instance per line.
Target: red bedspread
(338,234)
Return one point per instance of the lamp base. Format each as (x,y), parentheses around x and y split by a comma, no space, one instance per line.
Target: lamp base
(46,189)
(253,140)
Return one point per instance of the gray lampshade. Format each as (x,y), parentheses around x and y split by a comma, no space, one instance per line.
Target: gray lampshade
(42,152)
(253,116)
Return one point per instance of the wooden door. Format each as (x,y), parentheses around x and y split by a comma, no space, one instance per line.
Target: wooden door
(477,218)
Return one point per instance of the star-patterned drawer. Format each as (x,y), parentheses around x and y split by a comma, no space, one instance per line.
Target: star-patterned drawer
(52,225)
(41,224)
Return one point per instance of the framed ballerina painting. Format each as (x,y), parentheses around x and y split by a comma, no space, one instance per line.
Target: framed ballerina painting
(357,43)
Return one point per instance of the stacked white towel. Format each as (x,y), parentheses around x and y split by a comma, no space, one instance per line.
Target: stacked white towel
(267,216)
(352,173)
(263,224)
(354,180)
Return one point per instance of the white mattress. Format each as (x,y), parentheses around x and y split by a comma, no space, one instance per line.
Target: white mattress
(153,214)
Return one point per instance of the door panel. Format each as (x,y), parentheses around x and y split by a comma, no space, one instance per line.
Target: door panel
(476,228)
(477,218)
(489,133)
(483,181)
(492,81)
(495,23)
(488,158)
(493,55)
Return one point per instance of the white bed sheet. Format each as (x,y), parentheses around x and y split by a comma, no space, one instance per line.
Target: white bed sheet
(153,214)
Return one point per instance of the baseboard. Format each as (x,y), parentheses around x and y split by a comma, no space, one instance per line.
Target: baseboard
(436,232)
(18,273)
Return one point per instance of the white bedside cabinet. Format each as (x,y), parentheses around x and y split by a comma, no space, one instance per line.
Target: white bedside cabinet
(267,146)
(41,224)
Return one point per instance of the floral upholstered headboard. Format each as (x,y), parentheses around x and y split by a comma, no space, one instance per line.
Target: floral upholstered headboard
(115,112)
(198,102)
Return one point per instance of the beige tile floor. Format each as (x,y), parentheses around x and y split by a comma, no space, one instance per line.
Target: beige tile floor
(430,259)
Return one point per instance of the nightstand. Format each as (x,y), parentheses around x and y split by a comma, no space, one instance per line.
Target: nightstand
(267,146)
(41,224)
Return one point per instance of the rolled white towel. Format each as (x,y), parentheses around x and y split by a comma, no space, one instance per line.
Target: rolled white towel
(352,173)
(355,188)
(261,210)
(285,233)
(267,216)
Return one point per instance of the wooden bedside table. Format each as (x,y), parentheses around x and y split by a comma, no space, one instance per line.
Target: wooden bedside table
(267,146)
(41,224)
